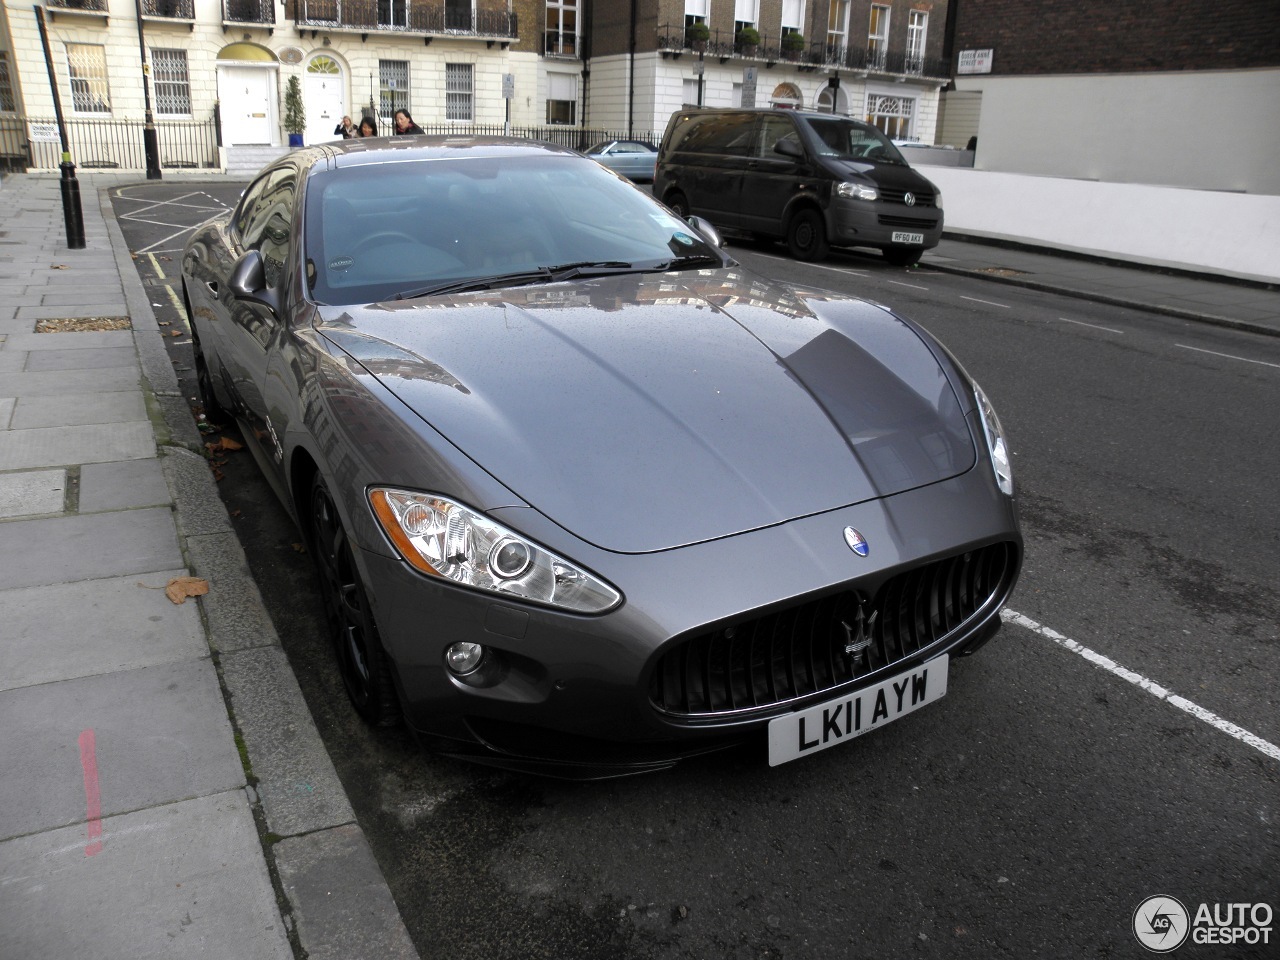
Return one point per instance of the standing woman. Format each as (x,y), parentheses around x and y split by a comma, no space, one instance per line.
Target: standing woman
(367,128)
(404,123)
(346,129)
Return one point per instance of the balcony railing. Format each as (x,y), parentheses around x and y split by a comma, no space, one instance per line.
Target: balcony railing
(432,17)
(249,11)
(169,9)
(90,6)
(560,44)
(671,39)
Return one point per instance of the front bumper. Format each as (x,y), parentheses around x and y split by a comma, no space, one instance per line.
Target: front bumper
(873,223)
(575,692)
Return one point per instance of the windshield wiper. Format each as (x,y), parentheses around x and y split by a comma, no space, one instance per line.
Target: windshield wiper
(589,268)
(541,274)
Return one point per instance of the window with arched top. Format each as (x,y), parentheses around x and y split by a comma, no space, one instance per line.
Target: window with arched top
(786,95)
(324,65)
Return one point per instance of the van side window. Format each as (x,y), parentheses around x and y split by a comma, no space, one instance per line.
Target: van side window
(773,129)
(720,133)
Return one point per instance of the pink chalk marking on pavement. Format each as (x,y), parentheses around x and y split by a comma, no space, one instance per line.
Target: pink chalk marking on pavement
(93,799)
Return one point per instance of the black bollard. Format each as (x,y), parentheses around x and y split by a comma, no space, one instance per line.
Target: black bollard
(71,211)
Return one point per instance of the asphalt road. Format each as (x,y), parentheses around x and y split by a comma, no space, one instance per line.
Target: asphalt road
(1028,813)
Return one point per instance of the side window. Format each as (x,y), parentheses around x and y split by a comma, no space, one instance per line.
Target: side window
(248,203)
(270,224)
(721,133)
(773,129)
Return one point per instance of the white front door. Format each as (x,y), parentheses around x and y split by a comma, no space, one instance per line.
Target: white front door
(324,98)
(247,105)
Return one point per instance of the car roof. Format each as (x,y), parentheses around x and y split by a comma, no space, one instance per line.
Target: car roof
(373,150)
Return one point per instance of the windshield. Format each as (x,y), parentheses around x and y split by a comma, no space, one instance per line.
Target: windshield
(378,231)
(850,140)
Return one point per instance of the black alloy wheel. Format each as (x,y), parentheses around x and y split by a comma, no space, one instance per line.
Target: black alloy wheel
(213,410)
(679,204)
(365,669)
(807,235)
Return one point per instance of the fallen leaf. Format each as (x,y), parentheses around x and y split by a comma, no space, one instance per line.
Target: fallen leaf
(165,259)
(179,588)
(217,475)
(57,266)
(299,547)
(223,445)
(229,444)
(175,333)
(235,513)
(163,323)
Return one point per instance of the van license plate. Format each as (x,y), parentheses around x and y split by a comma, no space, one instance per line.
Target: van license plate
(900,237)
(809,731)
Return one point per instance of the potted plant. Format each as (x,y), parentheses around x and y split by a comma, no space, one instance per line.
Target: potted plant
(748,40)
(295,117)
(792,45)
(696,35)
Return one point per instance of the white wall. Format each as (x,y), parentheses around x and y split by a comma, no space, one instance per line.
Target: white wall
(1235,235)
(1212,130)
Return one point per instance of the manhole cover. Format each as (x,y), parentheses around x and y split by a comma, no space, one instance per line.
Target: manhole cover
(82,324)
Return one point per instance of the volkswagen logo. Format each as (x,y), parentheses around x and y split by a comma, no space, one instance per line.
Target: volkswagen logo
(909,199)
(857,543)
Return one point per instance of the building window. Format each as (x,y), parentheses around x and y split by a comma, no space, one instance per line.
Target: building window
(562,28)
(562,98)
(696,11)
(878,37)
(917,30)
(746,13)
(689,91)
(458,92)
(6,88)
(393,87)
(838,27)
(87,67)
(892,115)
(792,16)
(173,85)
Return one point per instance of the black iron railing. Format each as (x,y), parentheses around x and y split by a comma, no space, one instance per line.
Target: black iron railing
(33,143)
(410,16)
(98,6)
(249,11)
(723,44)
(175,9)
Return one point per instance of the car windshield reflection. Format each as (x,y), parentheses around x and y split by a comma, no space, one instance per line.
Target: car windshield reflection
(380,231)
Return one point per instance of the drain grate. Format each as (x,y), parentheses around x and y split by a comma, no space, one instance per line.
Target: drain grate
(82,324)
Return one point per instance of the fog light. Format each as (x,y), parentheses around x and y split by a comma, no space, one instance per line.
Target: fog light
(463,658)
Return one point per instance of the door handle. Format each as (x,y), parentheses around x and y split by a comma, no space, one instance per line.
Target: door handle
(212,286)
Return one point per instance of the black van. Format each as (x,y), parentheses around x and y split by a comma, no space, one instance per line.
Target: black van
(814,179)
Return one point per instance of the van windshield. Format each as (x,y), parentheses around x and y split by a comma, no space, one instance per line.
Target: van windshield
(849,140)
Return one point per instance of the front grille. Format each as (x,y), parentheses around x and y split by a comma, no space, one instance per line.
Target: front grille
(914,223)
(825,642)
(923,198)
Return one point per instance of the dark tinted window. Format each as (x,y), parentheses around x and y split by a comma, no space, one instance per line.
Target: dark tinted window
(269,224)
(841,137)
(773,129)
(717,133)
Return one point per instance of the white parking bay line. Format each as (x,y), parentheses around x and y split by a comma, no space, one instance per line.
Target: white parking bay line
(913,286)
(1228,356)
(1153,688)
(820,266)
(989,303)
(1094,325)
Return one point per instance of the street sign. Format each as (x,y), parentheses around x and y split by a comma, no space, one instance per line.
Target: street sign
(749,87)
(975,61)
(508,86)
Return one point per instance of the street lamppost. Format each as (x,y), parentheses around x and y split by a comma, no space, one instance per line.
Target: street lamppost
(150,144)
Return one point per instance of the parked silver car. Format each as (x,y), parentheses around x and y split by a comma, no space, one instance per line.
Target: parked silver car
(585,494)
(634,159)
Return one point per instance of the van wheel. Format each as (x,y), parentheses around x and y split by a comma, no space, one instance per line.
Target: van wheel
(807,235)
(679,204)
(907,257)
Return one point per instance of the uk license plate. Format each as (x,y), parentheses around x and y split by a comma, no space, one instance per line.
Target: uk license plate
(817,728)
(900,237)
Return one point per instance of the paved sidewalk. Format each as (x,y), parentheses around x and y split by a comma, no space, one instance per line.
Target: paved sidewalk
(1224,302)
(165,793)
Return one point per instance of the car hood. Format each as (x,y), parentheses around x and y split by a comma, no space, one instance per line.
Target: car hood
(885,175)
(642,412)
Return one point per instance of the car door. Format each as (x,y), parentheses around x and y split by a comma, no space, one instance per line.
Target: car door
(254,332)
(715,155)
(772,178)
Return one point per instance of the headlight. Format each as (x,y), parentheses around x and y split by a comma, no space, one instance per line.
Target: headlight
(857,191)
(996,446)
(445,539)
(937,199)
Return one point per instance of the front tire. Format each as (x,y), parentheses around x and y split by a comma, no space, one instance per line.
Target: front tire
(807,235)
(365,668)
(679,204)
(213,410)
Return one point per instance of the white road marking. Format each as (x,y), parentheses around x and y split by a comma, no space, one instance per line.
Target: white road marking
(990,303)
(913,286)
(1153,688)
(1094,325)
(1227,355)
(820,266)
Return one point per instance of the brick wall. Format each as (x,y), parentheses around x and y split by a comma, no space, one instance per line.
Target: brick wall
(1111,36)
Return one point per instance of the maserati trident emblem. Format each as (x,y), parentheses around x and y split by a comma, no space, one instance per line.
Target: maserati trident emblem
(856,542)
(858,634)
(909,199)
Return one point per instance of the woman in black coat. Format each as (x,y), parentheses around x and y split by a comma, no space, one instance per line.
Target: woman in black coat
(404,123)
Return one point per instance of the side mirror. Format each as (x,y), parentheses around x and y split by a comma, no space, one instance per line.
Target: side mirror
(249,282)
(788,147)
(709,233)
